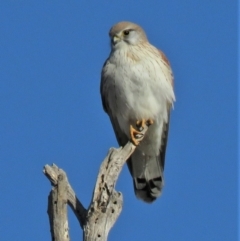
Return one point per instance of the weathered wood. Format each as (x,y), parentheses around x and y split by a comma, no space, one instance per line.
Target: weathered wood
(57,177)
(106,203)
(57,210)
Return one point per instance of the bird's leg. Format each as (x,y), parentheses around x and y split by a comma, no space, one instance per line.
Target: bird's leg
(137,135)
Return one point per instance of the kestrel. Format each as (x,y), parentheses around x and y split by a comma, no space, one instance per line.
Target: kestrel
(137,89)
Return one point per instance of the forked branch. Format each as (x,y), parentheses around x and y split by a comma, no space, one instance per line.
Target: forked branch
(106,204)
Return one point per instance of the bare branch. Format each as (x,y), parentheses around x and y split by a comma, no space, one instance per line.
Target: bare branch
(106,203)
(53,173)
(57,210)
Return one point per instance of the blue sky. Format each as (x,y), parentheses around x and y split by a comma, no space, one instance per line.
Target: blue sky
(51,55)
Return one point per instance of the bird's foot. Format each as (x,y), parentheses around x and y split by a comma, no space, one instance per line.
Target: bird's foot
(137,135)
(141,123)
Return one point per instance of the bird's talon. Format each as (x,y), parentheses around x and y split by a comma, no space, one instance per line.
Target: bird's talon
(136,136)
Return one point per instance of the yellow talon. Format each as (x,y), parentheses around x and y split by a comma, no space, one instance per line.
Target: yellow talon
(137,135)
(134,136)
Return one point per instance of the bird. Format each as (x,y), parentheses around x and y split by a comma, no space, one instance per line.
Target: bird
(136,89)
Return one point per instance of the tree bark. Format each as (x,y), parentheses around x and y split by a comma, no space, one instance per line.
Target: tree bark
(106,203)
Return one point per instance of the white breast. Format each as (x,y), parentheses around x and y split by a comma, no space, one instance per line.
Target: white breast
(137,89)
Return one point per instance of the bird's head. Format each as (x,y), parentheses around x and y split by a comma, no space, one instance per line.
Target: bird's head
(126,33)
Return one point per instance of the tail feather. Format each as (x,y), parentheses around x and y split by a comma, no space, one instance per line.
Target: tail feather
(147,173)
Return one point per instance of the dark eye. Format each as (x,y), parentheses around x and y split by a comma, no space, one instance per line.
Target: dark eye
(126,32)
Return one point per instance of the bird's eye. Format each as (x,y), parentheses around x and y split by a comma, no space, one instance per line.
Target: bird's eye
(126,32)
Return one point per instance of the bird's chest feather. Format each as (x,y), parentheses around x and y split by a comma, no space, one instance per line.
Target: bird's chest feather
(134,88)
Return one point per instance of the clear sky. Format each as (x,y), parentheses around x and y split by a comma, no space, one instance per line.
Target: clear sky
(51,55)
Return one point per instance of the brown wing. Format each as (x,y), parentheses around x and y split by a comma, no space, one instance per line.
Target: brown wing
(166,62)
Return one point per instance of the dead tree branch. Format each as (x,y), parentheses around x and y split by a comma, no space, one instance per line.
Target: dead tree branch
(106,203)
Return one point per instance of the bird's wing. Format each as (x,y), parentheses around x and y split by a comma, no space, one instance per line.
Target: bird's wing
(170,79)
(169,73)
(164,138)
(121,137)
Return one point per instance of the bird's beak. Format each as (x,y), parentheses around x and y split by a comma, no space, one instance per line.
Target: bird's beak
(116,39)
